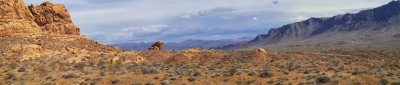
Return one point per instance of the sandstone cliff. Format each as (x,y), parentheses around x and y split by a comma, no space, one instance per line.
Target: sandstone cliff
(54,18)
(15,18)
(46,31)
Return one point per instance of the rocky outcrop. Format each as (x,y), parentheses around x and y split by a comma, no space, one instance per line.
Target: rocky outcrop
(54,18)
(261,50)
(45,32)
(15,18)
(157,46)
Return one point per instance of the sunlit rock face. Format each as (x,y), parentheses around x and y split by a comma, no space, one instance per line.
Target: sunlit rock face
(54,18)
(15,18)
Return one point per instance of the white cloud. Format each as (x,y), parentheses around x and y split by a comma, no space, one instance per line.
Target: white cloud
(208,12)
(186,16)
(298,18)
(255,18)
(145,29)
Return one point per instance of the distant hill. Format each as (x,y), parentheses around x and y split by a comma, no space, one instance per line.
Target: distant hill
(187,44)
(377,28)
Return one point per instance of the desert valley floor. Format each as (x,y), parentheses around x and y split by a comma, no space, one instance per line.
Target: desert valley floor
(209,67)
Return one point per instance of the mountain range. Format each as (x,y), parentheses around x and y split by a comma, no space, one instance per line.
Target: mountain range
(377,28)
(187,44)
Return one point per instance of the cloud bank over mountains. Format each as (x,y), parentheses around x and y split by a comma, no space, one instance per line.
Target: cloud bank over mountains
(121,21)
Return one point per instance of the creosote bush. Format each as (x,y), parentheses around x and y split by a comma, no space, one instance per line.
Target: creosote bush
(323,79)
(266,74)
(147,70)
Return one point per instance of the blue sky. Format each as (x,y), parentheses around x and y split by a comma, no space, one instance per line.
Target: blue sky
(122,21)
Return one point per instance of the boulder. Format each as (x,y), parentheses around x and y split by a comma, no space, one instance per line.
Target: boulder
(157,46)
(261,50)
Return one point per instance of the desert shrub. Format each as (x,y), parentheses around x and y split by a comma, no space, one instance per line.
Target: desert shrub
(50,78)
(292,67)
(323,79)
(307,71)
(87,78)
(192,79)
(252,73)
(266,74)
(286,56)
(147,70)
(149,83)
(115,67)
(87,70)
(116,80)
(396,83)
(1,64)
(41,69)
(49,83)
(383,81)
(156,78)
(232,71)
(311,82)
(244,82)
(270,82)
(13,65)
(9,75)
(279,83)
(136,84)
(215,75)
(226,80)
(180,70)
(358,72)
(173,78)
(63,67)
(334,68)
(171,70)
(92,82)
(197,72)
(165,82)
(300,83)
(22,69)
(250,82)
(79,66)
(211,68)
(102,72)
(156,64)
(70,75)
(285,71)
(390,74)
(101,62)
(310,77)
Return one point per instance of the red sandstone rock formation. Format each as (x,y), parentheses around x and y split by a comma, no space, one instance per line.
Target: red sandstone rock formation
(157,46)
(54,18)
(15,18)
